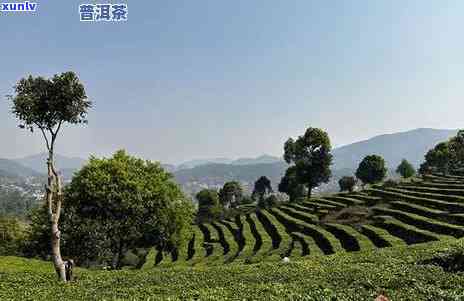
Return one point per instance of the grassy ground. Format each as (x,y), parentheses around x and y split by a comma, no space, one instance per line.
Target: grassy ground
(398,271)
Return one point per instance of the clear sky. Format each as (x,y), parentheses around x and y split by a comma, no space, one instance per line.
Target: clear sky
(196,79)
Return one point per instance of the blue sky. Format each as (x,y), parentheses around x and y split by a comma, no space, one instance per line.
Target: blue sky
(195,79)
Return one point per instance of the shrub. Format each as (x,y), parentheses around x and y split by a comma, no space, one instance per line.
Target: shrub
(405,169)
(347,183)
(371,170)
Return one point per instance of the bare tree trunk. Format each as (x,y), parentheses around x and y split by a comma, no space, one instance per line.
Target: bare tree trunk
(309,192)
(54,198)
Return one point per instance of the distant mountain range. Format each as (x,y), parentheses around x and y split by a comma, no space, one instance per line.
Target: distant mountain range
(12,169)
(38,162)
(411,145)
(241,161)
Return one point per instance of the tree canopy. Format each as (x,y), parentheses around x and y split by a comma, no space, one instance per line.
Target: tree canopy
(372,169)
(405,169)
(446,157)
(289,184)
(231,194)
(209,206)
(347,183)
(122,203)
(311,155)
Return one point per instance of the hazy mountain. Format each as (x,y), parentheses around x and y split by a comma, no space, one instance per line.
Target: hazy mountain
(241,161)
(259,160)
(11,168)
(199,162)
(38,162)
(411,145)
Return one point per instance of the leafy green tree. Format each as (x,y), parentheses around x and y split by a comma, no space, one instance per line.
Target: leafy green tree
(405,169)
(290,186)
(372,169)
(45,105)
(437,159)
(446,157)
(261,188)
(231,194)
(311,155)
(347,183)
(122,203)
(209,207)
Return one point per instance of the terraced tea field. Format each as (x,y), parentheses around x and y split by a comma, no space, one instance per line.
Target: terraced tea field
(379,217)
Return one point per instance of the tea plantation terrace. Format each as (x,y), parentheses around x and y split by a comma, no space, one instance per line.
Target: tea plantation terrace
(408,213)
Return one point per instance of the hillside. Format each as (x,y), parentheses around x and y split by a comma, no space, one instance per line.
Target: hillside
(37,162)
(406,244)
(411,145)
(197,174)
(215,175)
(403,273)
(379,217)
(10,168)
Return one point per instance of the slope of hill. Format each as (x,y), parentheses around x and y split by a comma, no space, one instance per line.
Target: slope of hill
(409,213)
(37,162)
(240,161)
(411,145)
(264,159)
(215,175)
(10,168)
(407,246)
(402,273)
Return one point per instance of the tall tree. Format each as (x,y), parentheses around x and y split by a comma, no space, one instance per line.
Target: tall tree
(311,155)
(45,105)
(262,187)
(371,170)
(405,169)
(231,194)
(290,186)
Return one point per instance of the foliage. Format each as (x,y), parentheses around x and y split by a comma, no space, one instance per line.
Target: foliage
(38,241)
(290,186)
(246,200)
(400,272)
(347,183)
(437,159)
(209,207)
(311,154)
(371,170)
(261,188)
(405,169)
(231,194)
(13,233)
(119,204)
(268,202)
(445,157)
(46,103)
